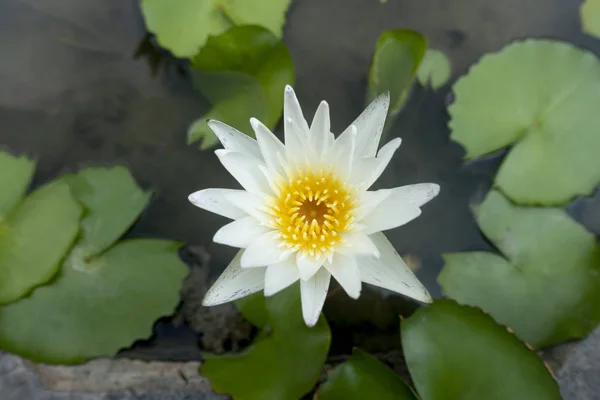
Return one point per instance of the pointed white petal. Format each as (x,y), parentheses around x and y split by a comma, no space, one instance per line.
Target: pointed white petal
(342,153)
(264,251)
(313,293)
(279,276)
(293,111)
(368,202)
(389,215)
(235,283)
(250,203)
(418,194)
(234,140)
(369,125)
(375,167)
(269,145)
(390,272)
(308,266)
(345,270)
(357,243)
(246,170)
(240,233)
(320,129)
(216,201)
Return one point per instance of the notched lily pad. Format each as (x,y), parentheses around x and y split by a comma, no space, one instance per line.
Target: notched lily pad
(541,97)
(545,286)
(398,54)
(285,360)
(242,73)
(435,69)
(364,377)
(106,295)
(590,17)
(456,352)
(35,233)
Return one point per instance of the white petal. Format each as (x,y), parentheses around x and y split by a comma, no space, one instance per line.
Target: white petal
(279,276)
(308,266)
(375,167)
(345,270)
(341,155)
(313,293)
(368,202)
(390,214)
(235,283)
(418,194)
(369,125)
(234,140)
(264,251)
(250,203)
(320,129)
(245,169)
(216,201)
(358,243)
(240,233)
(293,111)
(390,272)
(269,145)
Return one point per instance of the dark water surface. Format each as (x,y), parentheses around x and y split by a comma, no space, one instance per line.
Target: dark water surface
(75,91)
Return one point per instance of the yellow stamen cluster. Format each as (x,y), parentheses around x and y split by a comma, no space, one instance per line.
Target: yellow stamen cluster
(312,209)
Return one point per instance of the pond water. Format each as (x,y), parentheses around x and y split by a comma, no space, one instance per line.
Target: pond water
(81,85)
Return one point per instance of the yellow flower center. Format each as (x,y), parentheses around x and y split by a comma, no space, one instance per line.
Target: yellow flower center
(311,211)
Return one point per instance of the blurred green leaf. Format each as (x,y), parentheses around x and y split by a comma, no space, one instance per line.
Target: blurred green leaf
(15,174)
(364,377)
(546,288)
(97,304)
(590,17)
(540,97)
(398,54)
(254,309)
(435,69)
(242,73)
(456,352)
(284,364)
(34,239)
(184,26)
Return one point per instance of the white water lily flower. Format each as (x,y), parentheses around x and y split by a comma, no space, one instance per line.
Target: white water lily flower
(306,213)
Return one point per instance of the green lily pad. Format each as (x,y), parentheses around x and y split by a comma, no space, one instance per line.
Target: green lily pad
(104,300)
(398,54)
(590,17)
(15,175)
(435,69)
(35,233)
(539,96)
(545,287)
(242,73)
(456,352)
(364,377)
(254,309)
(184,26)
(284,364)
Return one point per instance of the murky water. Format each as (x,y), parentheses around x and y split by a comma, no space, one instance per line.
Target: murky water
(75,91)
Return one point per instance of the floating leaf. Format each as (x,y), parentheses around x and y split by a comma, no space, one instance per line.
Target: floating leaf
(184,26)
(590,17)
(102,302)
(541,96)
(546,288)
(458,353)
(254,309)
(242,73)
(36,234)
(364,377)
(284,364)
(435,69)
(398,54)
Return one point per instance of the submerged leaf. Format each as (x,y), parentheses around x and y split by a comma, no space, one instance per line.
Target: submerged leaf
(541,97)
(546,289)
(456,352)
(283,364)
(590,17)
(435,69)
(398,54)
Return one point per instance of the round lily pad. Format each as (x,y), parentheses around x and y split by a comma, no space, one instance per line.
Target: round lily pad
(15,174)
(544,285)
(36,234)
(183,26)
(106,296)
(541,97)
(590,17)
(364,377)
(456,352)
